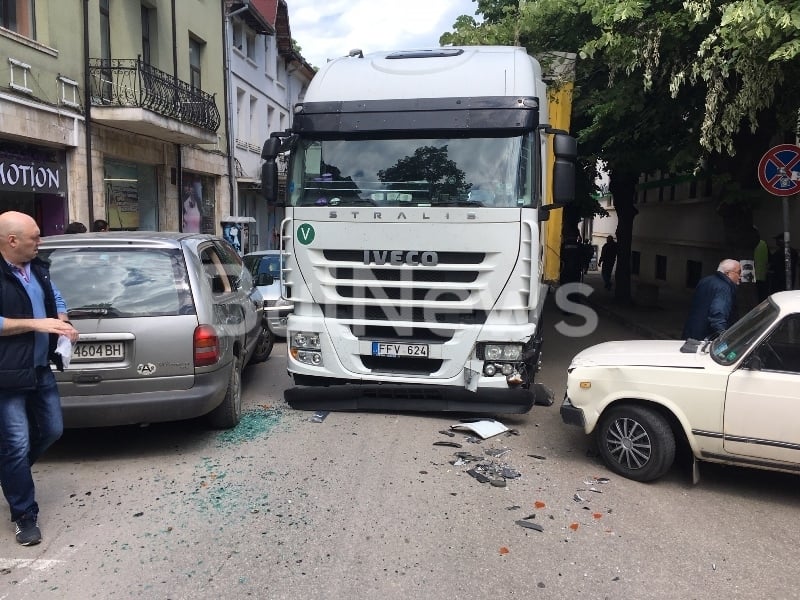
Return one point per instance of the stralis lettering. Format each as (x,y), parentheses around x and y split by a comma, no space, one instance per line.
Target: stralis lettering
(400,257)
(29,177)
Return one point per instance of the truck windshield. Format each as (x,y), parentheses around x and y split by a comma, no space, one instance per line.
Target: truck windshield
(491,172)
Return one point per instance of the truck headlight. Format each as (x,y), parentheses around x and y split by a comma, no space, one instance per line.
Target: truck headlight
(510,352)
(306,340)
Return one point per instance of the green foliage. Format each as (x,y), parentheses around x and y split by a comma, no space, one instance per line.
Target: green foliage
(715,65)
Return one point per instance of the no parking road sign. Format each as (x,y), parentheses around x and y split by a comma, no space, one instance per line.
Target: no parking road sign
(779,170)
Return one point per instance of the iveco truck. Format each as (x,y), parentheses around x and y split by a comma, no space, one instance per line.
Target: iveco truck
(416,190)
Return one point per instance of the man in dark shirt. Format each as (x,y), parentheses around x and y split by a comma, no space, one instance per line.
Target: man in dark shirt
(32,317)
(608,256)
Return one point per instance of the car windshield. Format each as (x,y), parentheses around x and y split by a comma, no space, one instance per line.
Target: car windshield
(491,171)
(735,341)
(113,283)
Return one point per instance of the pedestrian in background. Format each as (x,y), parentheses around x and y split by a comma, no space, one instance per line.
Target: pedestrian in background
(608,256)
(587,254)
(100,225)
(75,227)
(33,315)
(713,306)
(571,259)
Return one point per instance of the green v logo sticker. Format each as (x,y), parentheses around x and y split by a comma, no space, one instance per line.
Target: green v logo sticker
(305,234)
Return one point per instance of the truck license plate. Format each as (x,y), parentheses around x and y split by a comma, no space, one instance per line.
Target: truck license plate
(92,351)
(394,349)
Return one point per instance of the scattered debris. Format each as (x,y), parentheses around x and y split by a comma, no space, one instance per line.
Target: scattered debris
(497,452)
(515,507)
(529,525)
(578,498)
(449,444)
(504,550)
(539,504)
(447,433)
(574,526)
(595,480)
(540,457)
(479,476)
(510,473)
(319,416)
(485,428)
(498,482)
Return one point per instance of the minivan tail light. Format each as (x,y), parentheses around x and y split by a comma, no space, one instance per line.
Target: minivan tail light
(206,346)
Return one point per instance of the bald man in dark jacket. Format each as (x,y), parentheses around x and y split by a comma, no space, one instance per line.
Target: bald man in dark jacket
(713,307)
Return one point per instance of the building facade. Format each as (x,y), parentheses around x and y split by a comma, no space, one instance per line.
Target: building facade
(113,110)
(268,77)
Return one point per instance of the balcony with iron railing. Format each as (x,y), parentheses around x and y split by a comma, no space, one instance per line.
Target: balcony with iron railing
(132,95)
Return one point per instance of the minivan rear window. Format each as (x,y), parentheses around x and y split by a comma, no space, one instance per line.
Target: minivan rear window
(121,282)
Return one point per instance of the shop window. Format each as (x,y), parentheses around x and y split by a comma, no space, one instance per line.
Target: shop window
(198,205)
(131,196)
(18,16)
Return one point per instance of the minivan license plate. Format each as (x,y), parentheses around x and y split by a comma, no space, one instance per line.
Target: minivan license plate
(92,351)
(394,349)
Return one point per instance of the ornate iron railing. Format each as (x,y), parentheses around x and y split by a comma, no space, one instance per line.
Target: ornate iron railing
(132,82)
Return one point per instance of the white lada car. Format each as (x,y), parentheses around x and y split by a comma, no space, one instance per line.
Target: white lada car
(733,400)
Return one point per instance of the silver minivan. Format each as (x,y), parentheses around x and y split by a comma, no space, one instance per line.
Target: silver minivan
(167,321)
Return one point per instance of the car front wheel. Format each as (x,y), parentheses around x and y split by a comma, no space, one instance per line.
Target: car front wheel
(264,345)
(636,442)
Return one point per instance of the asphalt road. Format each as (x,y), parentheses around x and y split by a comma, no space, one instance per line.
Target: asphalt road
(363,505)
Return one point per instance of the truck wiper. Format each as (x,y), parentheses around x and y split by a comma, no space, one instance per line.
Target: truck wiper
(94,310)
(460,203)
(353,202)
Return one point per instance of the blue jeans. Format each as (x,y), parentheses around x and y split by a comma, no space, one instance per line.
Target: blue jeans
(30,421)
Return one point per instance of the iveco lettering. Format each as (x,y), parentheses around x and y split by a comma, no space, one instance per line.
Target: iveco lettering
(400,257)
(413,230)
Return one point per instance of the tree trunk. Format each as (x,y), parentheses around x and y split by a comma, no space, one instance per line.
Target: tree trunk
(622,186)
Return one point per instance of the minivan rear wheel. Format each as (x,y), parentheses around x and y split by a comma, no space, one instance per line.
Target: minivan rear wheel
(228,414)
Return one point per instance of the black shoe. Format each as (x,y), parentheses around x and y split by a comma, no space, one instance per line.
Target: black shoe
(28,533)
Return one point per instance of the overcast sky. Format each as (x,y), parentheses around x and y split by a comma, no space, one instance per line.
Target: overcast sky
(327,29)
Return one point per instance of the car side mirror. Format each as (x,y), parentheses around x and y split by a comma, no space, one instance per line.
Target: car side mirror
(264,279)
(755,363)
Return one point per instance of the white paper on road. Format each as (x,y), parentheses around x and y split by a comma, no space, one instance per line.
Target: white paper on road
(485,428)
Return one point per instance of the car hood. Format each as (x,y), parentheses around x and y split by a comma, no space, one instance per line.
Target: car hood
(644,353)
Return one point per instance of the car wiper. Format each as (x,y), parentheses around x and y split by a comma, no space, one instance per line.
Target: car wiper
(94,310)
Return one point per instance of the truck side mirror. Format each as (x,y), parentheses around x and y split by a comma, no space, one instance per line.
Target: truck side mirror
(269,180)
(269,170)
(565,150)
